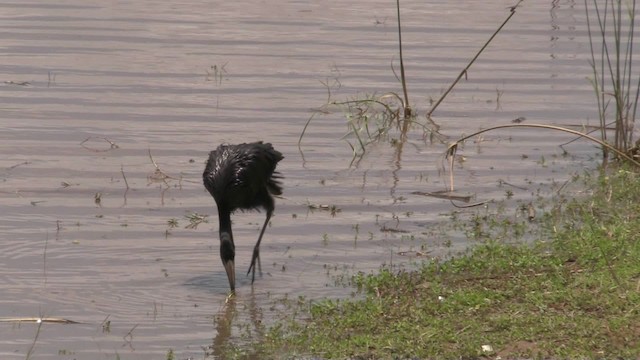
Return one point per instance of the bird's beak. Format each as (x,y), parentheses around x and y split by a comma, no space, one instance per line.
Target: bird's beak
(231,274)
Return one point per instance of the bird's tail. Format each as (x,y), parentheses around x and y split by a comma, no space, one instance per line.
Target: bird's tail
(275,185)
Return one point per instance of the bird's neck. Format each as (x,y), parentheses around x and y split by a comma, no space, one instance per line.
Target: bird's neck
(227,247)
(224,217)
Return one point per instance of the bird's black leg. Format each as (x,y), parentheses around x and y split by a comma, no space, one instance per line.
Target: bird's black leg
(256,250)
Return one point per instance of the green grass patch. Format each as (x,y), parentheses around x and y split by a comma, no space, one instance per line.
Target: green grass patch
(573,293)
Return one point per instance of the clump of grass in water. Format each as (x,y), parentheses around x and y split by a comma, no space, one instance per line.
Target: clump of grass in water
(170,355)
(372,118)
(572,294)
(195,219)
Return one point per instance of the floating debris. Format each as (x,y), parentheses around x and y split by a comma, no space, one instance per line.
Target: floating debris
(449,195)
(333,209)
(38,320)
(413,253)
(392,230)
(19,83)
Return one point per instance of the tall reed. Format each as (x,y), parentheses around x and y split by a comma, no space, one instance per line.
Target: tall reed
(611,41)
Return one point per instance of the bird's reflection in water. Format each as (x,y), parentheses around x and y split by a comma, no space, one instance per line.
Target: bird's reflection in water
(235,308)
(223,321)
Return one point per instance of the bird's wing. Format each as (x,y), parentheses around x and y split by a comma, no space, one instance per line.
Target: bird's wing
(247,168)
(255,164)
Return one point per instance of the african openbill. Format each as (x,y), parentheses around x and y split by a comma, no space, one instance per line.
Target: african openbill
(242,177)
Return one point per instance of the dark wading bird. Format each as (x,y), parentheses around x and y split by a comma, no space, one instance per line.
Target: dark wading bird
(242,177)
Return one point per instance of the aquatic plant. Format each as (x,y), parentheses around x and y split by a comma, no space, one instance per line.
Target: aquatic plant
(614,82)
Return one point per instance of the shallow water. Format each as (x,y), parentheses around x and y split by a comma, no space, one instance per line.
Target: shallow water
(178,78)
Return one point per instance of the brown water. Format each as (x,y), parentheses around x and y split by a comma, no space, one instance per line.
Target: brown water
(142,74)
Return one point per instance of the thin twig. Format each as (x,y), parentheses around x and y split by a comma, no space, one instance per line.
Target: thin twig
(106,324)
(20,164)
(44,259)
(123,176)
(128,338)
(153,161)
(464,71)
(306,125)
(452,148)
(38,320)
(112,144)
(407,108)
(594,129)
(551,127)
(304,130)
(160,176)
(35,339)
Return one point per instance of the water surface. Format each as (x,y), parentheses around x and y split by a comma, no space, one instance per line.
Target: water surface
(90,90)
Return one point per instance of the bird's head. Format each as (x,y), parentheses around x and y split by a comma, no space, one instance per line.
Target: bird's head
(227,254)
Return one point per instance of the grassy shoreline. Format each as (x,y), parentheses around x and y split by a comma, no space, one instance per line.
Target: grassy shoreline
(574,292)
